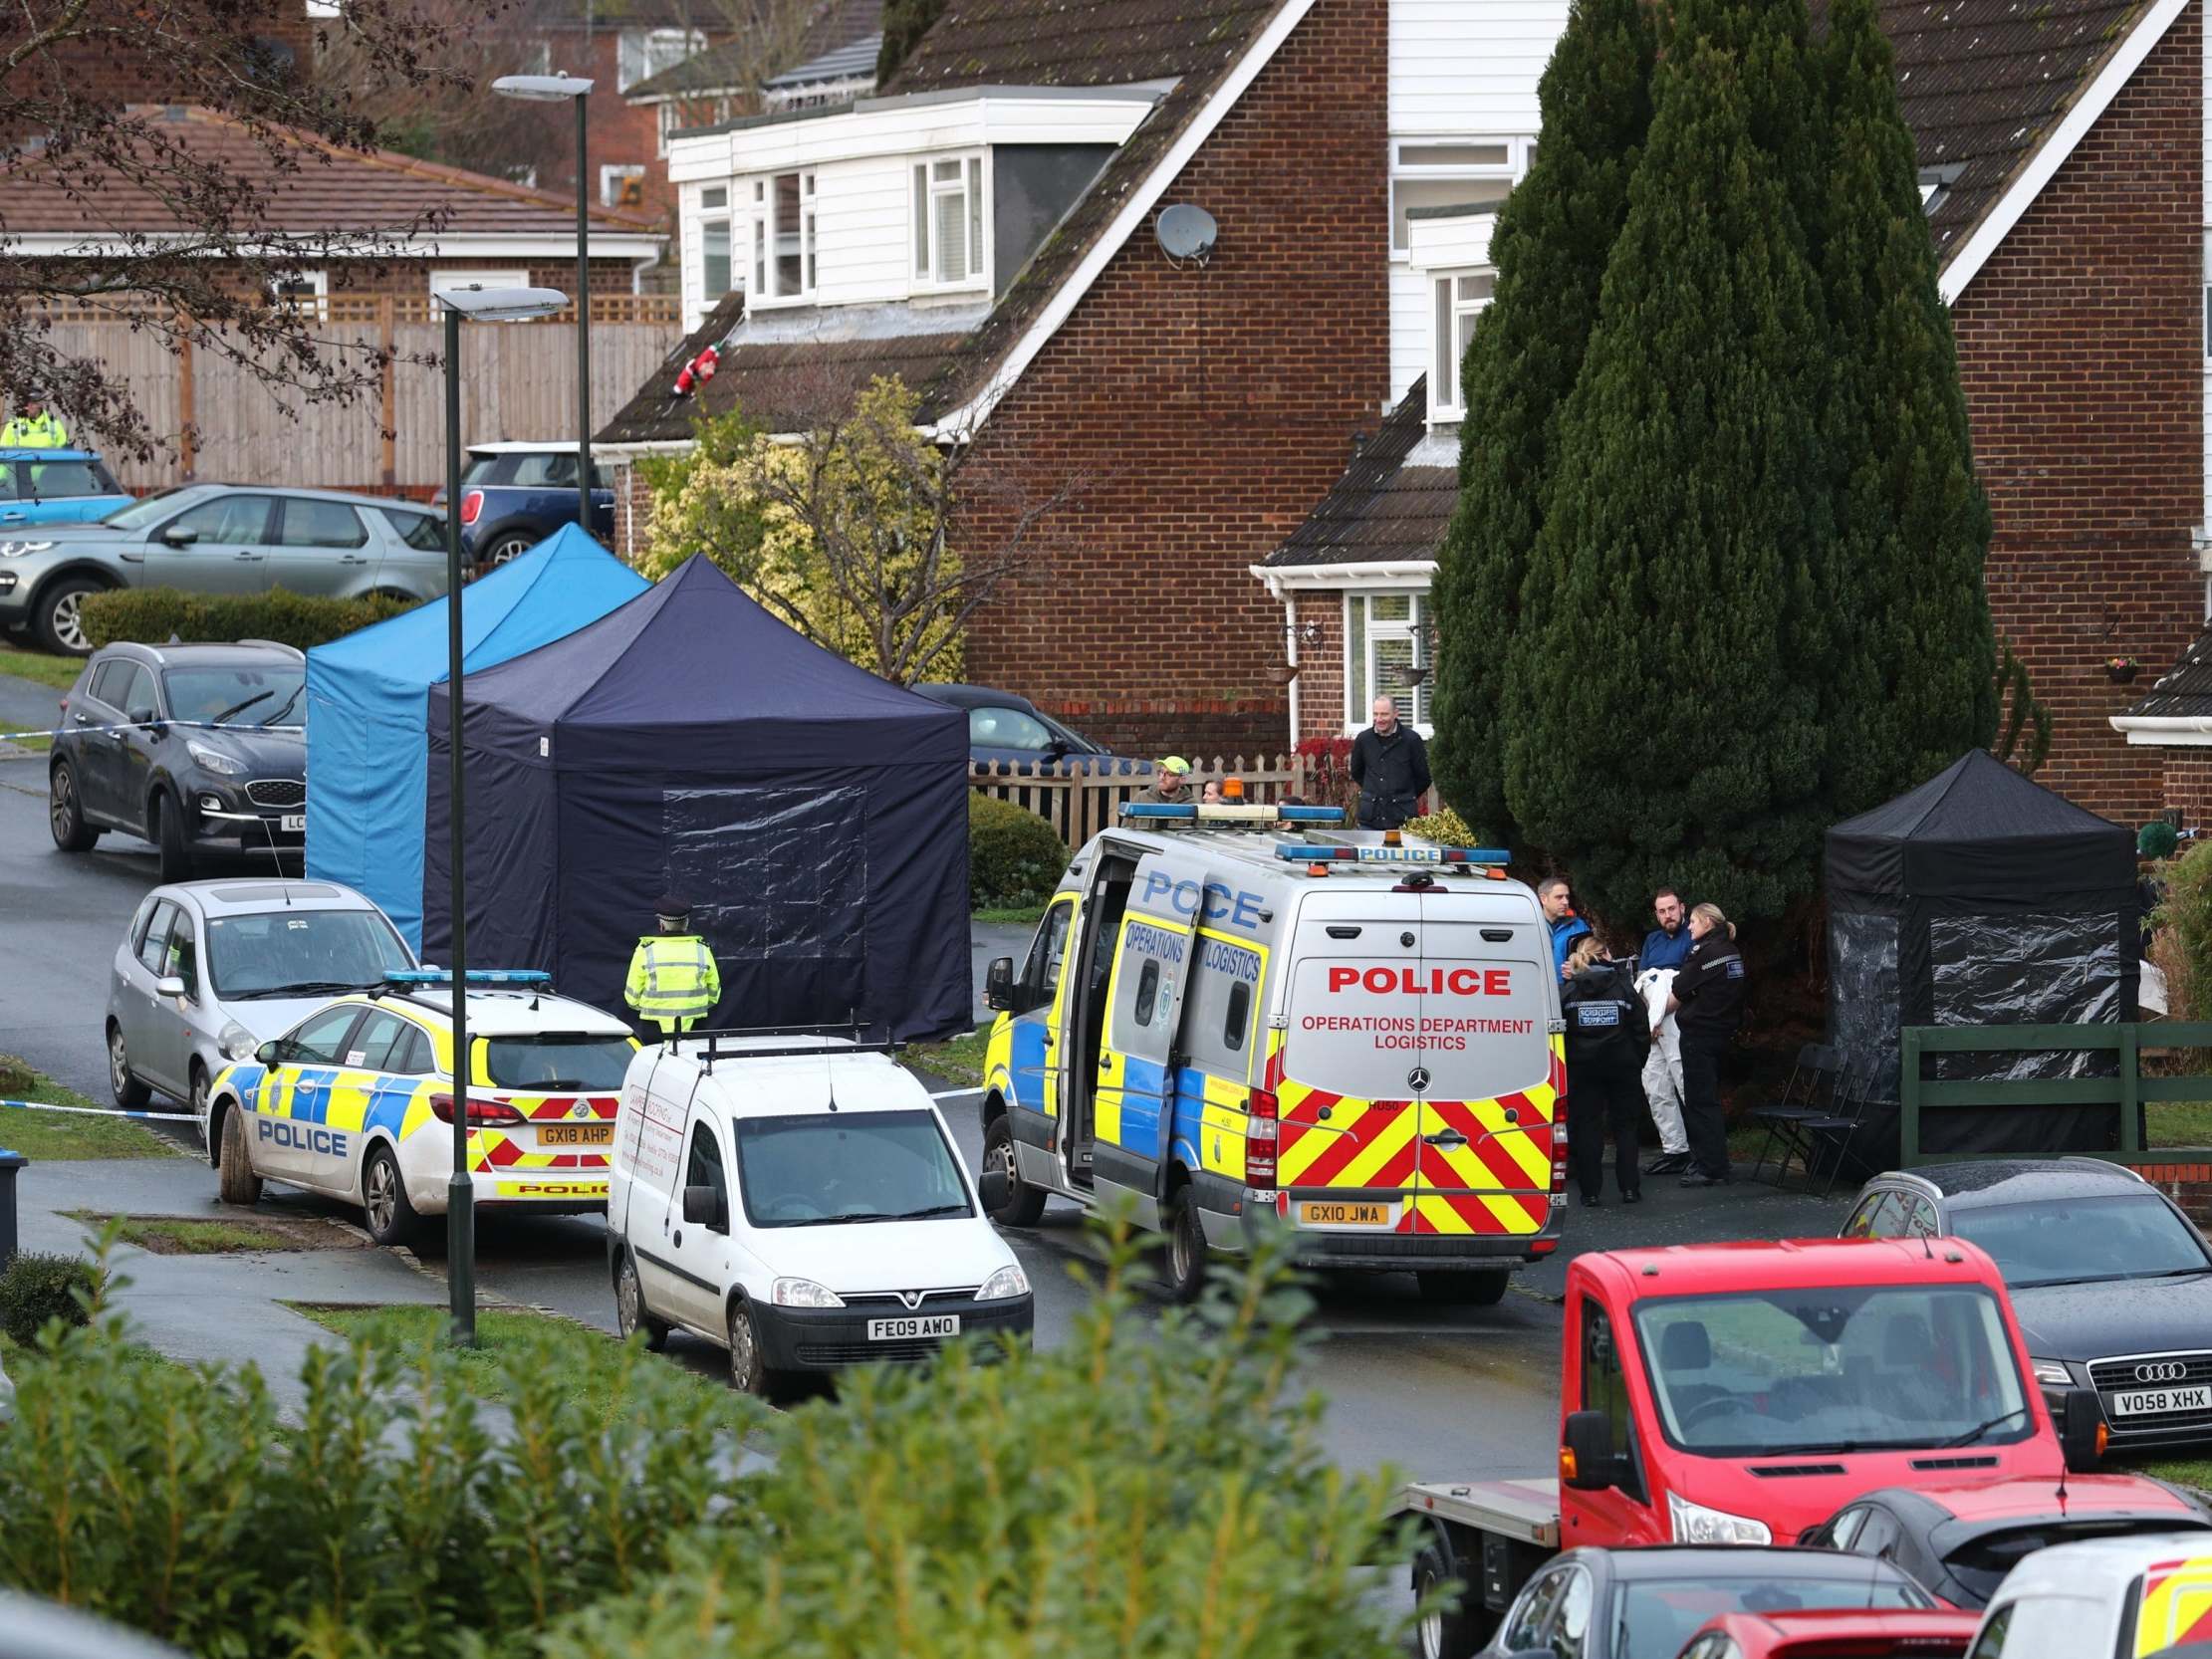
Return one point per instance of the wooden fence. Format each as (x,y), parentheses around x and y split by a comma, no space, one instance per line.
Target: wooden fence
(2130,1090)
(518,380)
(1081,798)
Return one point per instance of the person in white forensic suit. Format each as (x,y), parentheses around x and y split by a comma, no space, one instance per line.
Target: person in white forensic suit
(1662,1072)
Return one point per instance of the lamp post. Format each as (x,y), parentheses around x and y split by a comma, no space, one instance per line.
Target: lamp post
(478,304)
(552,89)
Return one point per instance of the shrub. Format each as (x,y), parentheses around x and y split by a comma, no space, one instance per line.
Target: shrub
(1443,825)
(1014,857)
(1328,773)
(35,1288)
(2182,948)
(155,616)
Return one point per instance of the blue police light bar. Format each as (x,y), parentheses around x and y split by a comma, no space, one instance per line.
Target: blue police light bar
(474,976)
(1171,811)
(1298,852)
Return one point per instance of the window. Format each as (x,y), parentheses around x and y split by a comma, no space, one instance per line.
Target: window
(704,1169)
(301,291)
(948,222)
(1042,973)
(1461,296)
(1570,1624)
(1147,994)
(714,249)
(265,951)
(558,1061)
(411,1052)
(374,1043)
(227,521)
(640,54)
(622,186)
(182,957)
(153,945)
(1451,172)
(1004,728)
(133,691)
(1990,1641)
(1387,646)
(51,480)
(821,1168)
(308,523)
(110,682)
(252,696)
(321,1040)
(1237,1019)
(421,530)
(1606,1389)
(1524,1628)
(780,230)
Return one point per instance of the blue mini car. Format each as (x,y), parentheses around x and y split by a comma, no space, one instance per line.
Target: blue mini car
(56,486)
(514,495)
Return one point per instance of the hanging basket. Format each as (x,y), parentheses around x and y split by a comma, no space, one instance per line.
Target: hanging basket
(2122,673)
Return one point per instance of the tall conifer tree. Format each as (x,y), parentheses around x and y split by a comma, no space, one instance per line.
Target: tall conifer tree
(1553,238)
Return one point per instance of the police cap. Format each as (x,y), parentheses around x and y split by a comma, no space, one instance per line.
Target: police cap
(673,907)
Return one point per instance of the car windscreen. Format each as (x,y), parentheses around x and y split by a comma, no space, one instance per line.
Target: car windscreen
(54,480)
(151,510)
(1653,1617)
(238,696)
(2073,1241)
(1980,1564)
(557,1060)
(1832,1368)
(298,952)
(850,1166)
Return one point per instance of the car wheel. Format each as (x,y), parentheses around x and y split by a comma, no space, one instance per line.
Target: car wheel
(167,831)
(236,1181)
(197,1103)
(384,1198)
(748,1371)
(629,1308)
(1465,1290)
(1443,1632)
(1186,1245)
(61,616)
(1023,1203)
(510,545)
(130,1094)
(65,814)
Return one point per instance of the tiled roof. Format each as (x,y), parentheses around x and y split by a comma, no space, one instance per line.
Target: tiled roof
(839,26)
(845,63)
(2184,689)
(330,188)
(1077,43)
(1383,509)
(1984,83)
(785,386)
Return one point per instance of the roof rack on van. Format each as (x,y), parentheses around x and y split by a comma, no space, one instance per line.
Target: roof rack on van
(857,1041)
(1180,813)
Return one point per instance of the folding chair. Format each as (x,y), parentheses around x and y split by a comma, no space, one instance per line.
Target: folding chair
(1804,1097)
(1836,1130)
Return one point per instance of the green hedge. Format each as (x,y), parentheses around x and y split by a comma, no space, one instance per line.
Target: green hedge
(1014,857)
(34,1289)
(155,615)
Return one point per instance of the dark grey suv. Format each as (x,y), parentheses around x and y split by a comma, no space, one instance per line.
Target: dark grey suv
(185,745)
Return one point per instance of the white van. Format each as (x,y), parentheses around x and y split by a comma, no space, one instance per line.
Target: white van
(1230,1023)
(798,1200)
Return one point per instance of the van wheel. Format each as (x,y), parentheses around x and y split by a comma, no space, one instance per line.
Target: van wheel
(748,1373)
(1443,1632)
(1465,1290)
(1186,1245)
(237,1184)
(629,1308)
(1023,1203)
(130,1092)
(384,1198)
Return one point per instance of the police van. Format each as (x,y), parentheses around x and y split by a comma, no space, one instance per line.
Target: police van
(1240,1016)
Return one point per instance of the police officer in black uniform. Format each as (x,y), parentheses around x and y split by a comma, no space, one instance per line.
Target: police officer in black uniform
(1708,1002)
(1608,1037)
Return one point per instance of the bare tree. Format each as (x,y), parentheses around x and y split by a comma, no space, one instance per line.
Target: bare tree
(85,136)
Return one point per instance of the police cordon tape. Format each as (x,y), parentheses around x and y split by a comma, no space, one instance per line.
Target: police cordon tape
(102,1111)
(144,726)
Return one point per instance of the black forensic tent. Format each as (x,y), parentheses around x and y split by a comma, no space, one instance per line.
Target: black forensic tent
(1980,898)
(815,817)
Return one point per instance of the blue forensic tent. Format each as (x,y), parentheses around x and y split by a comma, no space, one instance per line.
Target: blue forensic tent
(812,815)
(367,696)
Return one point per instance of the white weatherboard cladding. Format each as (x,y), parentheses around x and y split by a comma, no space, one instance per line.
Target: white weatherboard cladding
(1412,323)
(1469,66)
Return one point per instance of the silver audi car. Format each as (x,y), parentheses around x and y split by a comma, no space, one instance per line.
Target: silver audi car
(211,970)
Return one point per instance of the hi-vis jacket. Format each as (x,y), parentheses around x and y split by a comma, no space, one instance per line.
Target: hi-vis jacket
(46,432)
(672,980)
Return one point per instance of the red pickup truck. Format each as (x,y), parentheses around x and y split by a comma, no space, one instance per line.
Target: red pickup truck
(1742,1393)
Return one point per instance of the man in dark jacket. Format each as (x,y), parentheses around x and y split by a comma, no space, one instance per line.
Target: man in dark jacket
(1390,763)
(1608,1033)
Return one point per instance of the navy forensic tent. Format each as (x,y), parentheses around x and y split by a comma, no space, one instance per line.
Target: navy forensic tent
(366,695)
(815,817)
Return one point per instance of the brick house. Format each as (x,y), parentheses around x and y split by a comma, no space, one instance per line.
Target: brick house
(834,63)
(2065,183)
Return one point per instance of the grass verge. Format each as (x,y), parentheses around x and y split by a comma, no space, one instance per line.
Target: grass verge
(99,1133)
(958,1060)
(1022,915)
(23,747)
(587,1359)
(182,1236)
(2181,1471)
(44,668)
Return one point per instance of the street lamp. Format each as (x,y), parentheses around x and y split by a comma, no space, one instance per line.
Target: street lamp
(477,303)
(552,89)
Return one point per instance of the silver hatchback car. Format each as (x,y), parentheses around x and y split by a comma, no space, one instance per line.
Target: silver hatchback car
(211,970)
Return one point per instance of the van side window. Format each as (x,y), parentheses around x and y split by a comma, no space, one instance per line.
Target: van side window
(1147,994)
(1238,1019)
(1042,972)
(1605,1383)
(704,1169)
(1991,1642)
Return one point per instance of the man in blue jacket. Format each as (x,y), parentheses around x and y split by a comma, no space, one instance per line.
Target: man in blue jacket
(1558,909)
(1668,944)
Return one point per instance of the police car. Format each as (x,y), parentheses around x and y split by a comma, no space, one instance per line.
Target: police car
(1238,1015)
(357,1100)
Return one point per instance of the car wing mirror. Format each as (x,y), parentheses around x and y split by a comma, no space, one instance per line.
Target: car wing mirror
(178,537)
(2082,1429)
(702,1207)
(170,985)
(1587,1459)
(998,984)
(267,1054)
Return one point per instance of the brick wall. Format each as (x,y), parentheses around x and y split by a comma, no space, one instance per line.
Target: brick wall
(1320,666)
(1205,410)
(98,72)
(617,132)
(2187,777)
(2188,1185)
(2079,347)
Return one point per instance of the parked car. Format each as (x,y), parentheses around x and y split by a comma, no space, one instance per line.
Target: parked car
(31,1628)
(2132,1597)
(56,486)
(185,745)
(1015,732)
(1826,1633)
(220,539)
(211,970)
(1959,1542)
(2113,1284)
(1636,1603)
(515,494)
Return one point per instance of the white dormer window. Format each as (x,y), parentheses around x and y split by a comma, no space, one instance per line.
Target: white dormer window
(781,220)
(948,223)
(1451,172)
(640,54)
(1460,297)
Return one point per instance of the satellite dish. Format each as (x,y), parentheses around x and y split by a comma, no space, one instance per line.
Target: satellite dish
(1185,232)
